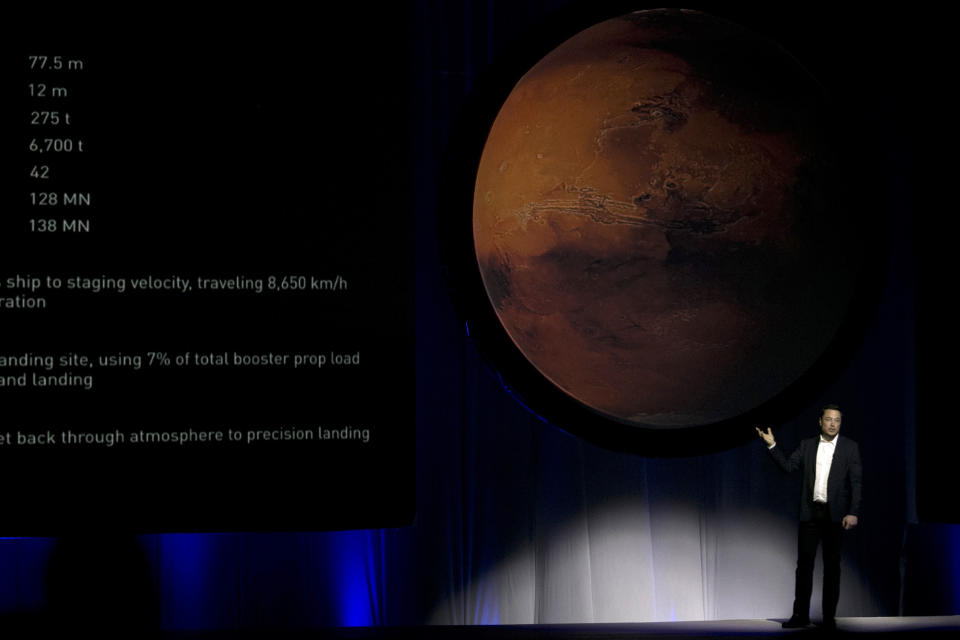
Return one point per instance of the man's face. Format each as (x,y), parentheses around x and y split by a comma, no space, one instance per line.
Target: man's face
(830,423)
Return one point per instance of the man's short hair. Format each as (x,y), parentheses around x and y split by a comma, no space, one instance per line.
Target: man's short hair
(830,407)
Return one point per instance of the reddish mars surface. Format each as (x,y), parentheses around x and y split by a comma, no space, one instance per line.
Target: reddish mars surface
(655,219)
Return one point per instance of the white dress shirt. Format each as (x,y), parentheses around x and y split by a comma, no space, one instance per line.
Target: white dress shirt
(825,451)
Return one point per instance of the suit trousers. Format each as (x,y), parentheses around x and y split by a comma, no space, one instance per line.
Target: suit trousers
(811,534)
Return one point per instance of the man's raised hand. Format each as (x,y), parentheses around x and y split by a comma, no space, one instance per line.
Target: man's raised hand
(767,436)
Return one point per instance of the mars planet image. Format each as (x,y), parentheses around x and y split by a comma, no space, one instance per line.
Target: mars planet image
(661,222)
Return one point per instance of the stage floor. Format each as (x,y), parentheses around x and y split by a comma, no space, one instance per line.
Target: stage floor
(892,627)
(888,627)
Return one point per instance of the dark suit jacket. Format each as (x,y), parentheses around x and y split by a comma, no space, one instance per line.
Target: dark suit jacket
(843,483)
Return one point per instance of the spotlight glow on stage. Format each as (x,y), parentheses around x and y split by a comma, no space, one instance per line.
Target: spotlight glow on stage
(632,562)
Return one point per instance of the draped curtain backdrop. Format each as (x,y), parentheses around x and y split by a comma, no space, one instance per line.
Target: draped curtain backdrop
(517,521)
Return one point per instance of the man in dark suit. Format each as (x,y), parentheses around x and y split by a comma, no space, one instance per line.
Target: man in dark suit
(829,504)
